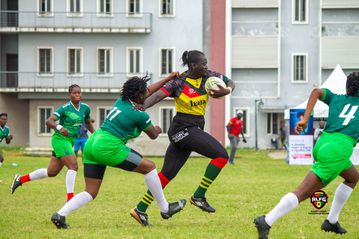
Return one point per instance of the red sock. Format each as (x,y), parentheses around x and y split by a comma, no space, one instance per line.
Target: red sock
(25,178)
(69,196)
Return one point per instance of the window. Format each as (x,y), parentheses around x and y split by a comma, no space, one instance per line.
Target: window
(102,113)
(167,7)
(104,61)
(134,7)
(134,61)
(105,7)
(44,114)
(273,122)
(300,11)
(245,119)
(166,115)
(299,68)
(45,61)
(74,61)
(74,7)
(166,61)
(45,7)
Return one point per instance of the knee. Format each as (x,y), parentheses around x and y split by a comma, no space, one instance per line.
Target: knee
(73,165)
(352,181)
(92,193)
(51,173)
(148,166)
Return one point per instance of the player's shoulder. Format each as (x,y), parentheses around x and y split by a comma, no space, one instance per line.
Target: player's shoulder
(86,106)
(66,105)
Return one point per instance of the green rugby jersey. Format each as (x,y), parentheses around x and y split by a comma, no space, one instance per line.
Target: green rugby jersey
(72,118)
(4,133)
(343,114)
(125,122)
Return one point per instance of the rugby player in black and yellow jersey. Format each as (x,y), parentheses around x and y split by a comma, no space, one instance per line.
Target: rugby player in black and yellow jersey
(186,132)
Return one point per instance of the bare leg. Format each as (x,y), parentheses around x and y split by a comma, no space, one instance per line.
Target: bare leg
(310,184)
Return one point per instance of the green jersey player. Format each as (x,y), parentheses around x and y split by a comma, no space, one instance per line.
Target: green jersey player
(4,133)
(107,147)
(332,157)
(70,116)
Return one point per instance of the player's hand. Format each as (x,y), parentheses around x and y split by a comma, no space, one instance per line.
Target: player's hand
(10,137)
(64,131)
(301,125)
(244,141)
(158,129)
(138,107)
(172,75)
(222,91)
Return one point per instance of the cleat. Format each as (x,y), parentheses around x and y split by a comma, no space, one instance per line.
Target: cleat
(173,208)
(262,227)
(59,221)
(15,183)
(139,216)
(202,204)
(336,227)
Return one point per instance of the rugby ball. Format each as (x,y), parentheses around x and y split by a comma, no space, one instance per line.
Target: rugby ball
(213,82)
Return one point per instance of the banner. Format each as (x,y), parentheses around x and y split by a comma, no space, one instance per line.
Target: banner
(300,143)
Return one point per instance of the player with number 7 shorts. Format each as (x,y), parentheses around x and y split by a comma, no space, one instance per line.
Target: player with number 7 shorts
(331,154)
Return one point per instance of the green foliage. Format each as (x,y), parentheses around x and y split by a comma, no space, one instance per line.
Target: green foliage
(250,188)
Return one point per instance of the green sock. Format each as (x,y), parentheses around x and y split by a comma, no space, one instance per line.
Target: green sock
(210,175)
(146,201)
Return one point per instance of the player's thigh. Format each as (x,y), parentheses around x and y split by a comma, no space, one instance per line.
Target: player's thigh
(135,162)
(175,158)
(205,144)
(55,166)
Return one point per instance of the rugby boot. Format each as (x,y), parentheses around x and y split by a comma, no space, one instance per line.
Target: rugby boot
(262,227)
(173,208)
(139,216)
(336,227)
(202,204)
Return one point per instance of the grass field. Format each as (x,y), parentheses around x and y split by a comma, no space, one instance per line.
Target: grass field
(248,189)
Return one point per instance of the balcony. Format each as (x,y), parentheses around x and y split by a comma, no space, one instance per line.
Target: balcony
(60,81)
(340,28)
(340,4)
(255,3)
(255,28)
(87,22)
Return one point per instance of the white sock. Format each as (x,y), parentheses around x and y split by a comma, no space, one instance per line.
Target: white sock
(38,174)
(341,195)
(70,180)
(154,185)
(76,202)
(285,205)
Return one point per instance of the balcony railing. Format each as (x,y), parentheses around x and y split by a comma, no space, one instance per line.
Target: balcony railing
(68,22)
(255,28)
(60,81)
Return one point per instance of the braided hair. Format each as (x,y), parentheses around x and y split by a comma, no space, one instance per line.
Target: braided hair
(189,57)
(73,86)
(352,85)
(134,88)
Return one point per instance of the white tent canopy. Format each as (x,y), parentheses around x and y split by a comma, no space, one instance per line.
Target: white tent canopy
(336,83)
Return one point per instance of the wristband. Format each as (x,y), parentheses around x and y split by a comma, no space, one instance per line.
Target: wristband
(59,127)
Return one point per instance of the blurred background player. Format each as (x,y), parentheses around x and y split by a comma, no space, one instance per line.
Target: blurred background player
(71,116)
(186,132)
(4,134)
(81,138)
(331,154)
(107,147)
(234,128)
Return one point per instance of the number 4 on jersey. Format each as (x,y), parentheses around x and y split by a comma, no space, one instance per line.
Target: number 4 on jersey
(350,115)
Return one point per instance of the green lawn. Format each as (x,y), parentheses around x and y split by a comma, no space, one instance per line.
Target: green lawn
(248,189)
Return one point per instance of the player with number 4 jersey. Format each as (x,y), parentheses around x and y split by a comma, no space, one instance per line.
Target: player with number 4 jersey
(107,147)
(331,154)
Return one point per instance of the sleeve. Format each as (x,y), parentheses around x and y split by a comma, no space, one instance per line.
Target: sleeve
(87,114)
(172,88)
(219,75)
(144,121)
(7,133)
(59,112)
(328,96)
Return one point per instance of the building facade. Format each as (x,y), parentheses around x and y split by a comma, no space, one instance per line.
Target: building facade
(280,50)
(47,45)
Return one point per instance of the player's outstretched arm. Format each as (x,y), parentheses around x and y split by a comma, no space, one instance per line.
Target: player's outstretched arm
(155,98)
(156,86)
(314,96)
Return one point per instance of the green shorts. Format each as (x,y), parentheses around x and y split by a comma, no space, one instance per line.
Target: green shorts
(104,148)
(332,156)
(62,145)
